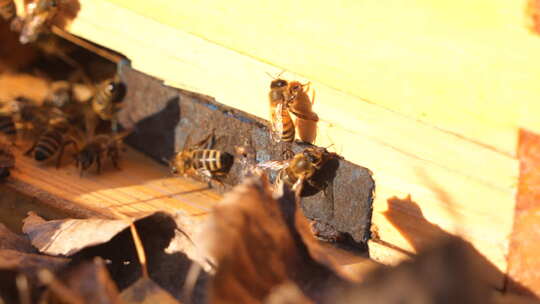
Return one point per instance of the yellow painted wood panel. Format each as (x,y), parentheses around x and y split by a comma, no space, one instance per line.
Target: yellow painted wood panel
(191,63)
(467,68)
(407,156)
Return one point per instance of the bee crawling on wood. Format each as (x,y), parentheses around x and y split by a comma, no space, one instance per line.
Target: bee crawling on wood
(105,104)
(7,160)
(8,11)
(94,149)
(50,143)
(301,168)
(21,117)
(201,160)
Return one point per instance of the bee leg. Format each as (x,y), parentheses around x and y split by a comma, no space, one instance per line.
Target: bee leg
(207,142)
(61,152)
(29,151)
(90,122)
(297,188)
(98,164)
(287,153)
(114,158)
(206,175)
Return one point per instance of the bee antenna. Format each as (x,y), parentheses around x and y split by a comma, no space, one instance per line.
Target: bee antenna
(275,77)
(331,145)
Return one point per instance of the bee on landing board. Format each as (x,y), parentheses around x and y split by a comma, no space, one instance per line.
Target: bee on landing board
(37,20)
(8,10)
(50,144)
(97,148)
(105,104)
(201,160)
(7,160)
(21,117)
(301,168)
(299,104)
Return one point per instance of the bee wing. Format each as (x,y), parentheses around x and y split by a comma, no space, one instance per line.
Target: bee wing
(277,123)
(307,116)
(274,165)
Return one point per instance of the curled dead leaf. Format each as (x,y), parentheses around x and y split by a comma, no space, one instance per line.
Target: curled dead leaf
(256,246)
(145,291)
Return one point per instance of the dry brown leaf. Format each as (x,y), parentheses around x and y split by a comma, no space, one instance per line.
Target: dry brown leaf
(29,263)
(112,240)
(287,293)
(14,262)
(256,247)
(89,281)
(13,241)
(145,291)
(67,237)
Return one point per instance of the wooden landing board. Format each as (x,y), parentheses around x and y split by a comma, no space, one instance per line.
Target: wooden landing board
(459,184)
(142,186)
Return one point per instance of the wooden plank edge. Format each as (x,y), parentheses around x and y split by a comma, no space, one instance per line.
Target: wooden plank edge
(194,64)
(523,262)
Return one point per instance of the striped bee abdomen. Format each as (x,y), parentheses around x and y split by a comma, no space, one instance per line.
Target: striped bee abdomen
(48,144)
(212,160)
(287,134)
(7,125)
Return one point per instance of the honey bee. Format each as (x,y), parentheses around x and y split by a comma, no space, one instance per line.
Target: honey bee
(105,104)
(299,104)
(21,117)
(38,16)
(7,160)
(301,168)
(97,148)
(8,10)
(206,162)
(50,144)
(282,126)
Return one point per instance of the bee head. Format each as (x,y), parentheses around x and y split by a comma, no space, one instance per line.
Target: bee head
(177,165)
(117,90)
(295,87)
(278,83)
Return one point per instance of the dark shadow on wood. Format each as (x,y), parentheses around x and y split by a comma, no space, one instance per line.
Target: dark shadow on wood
(157,131)
(399,209)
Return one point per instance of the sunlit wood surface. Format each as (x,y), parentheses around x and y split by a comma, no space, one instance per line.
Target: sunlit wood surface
(427,95)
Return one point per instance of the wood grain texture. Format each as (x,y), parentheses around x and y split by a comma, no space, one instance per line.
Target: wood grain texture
(140,187)
(523,262)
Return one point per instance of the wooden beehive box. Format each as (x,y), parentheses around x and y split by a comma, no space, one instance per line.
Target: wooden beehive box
(435,98)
